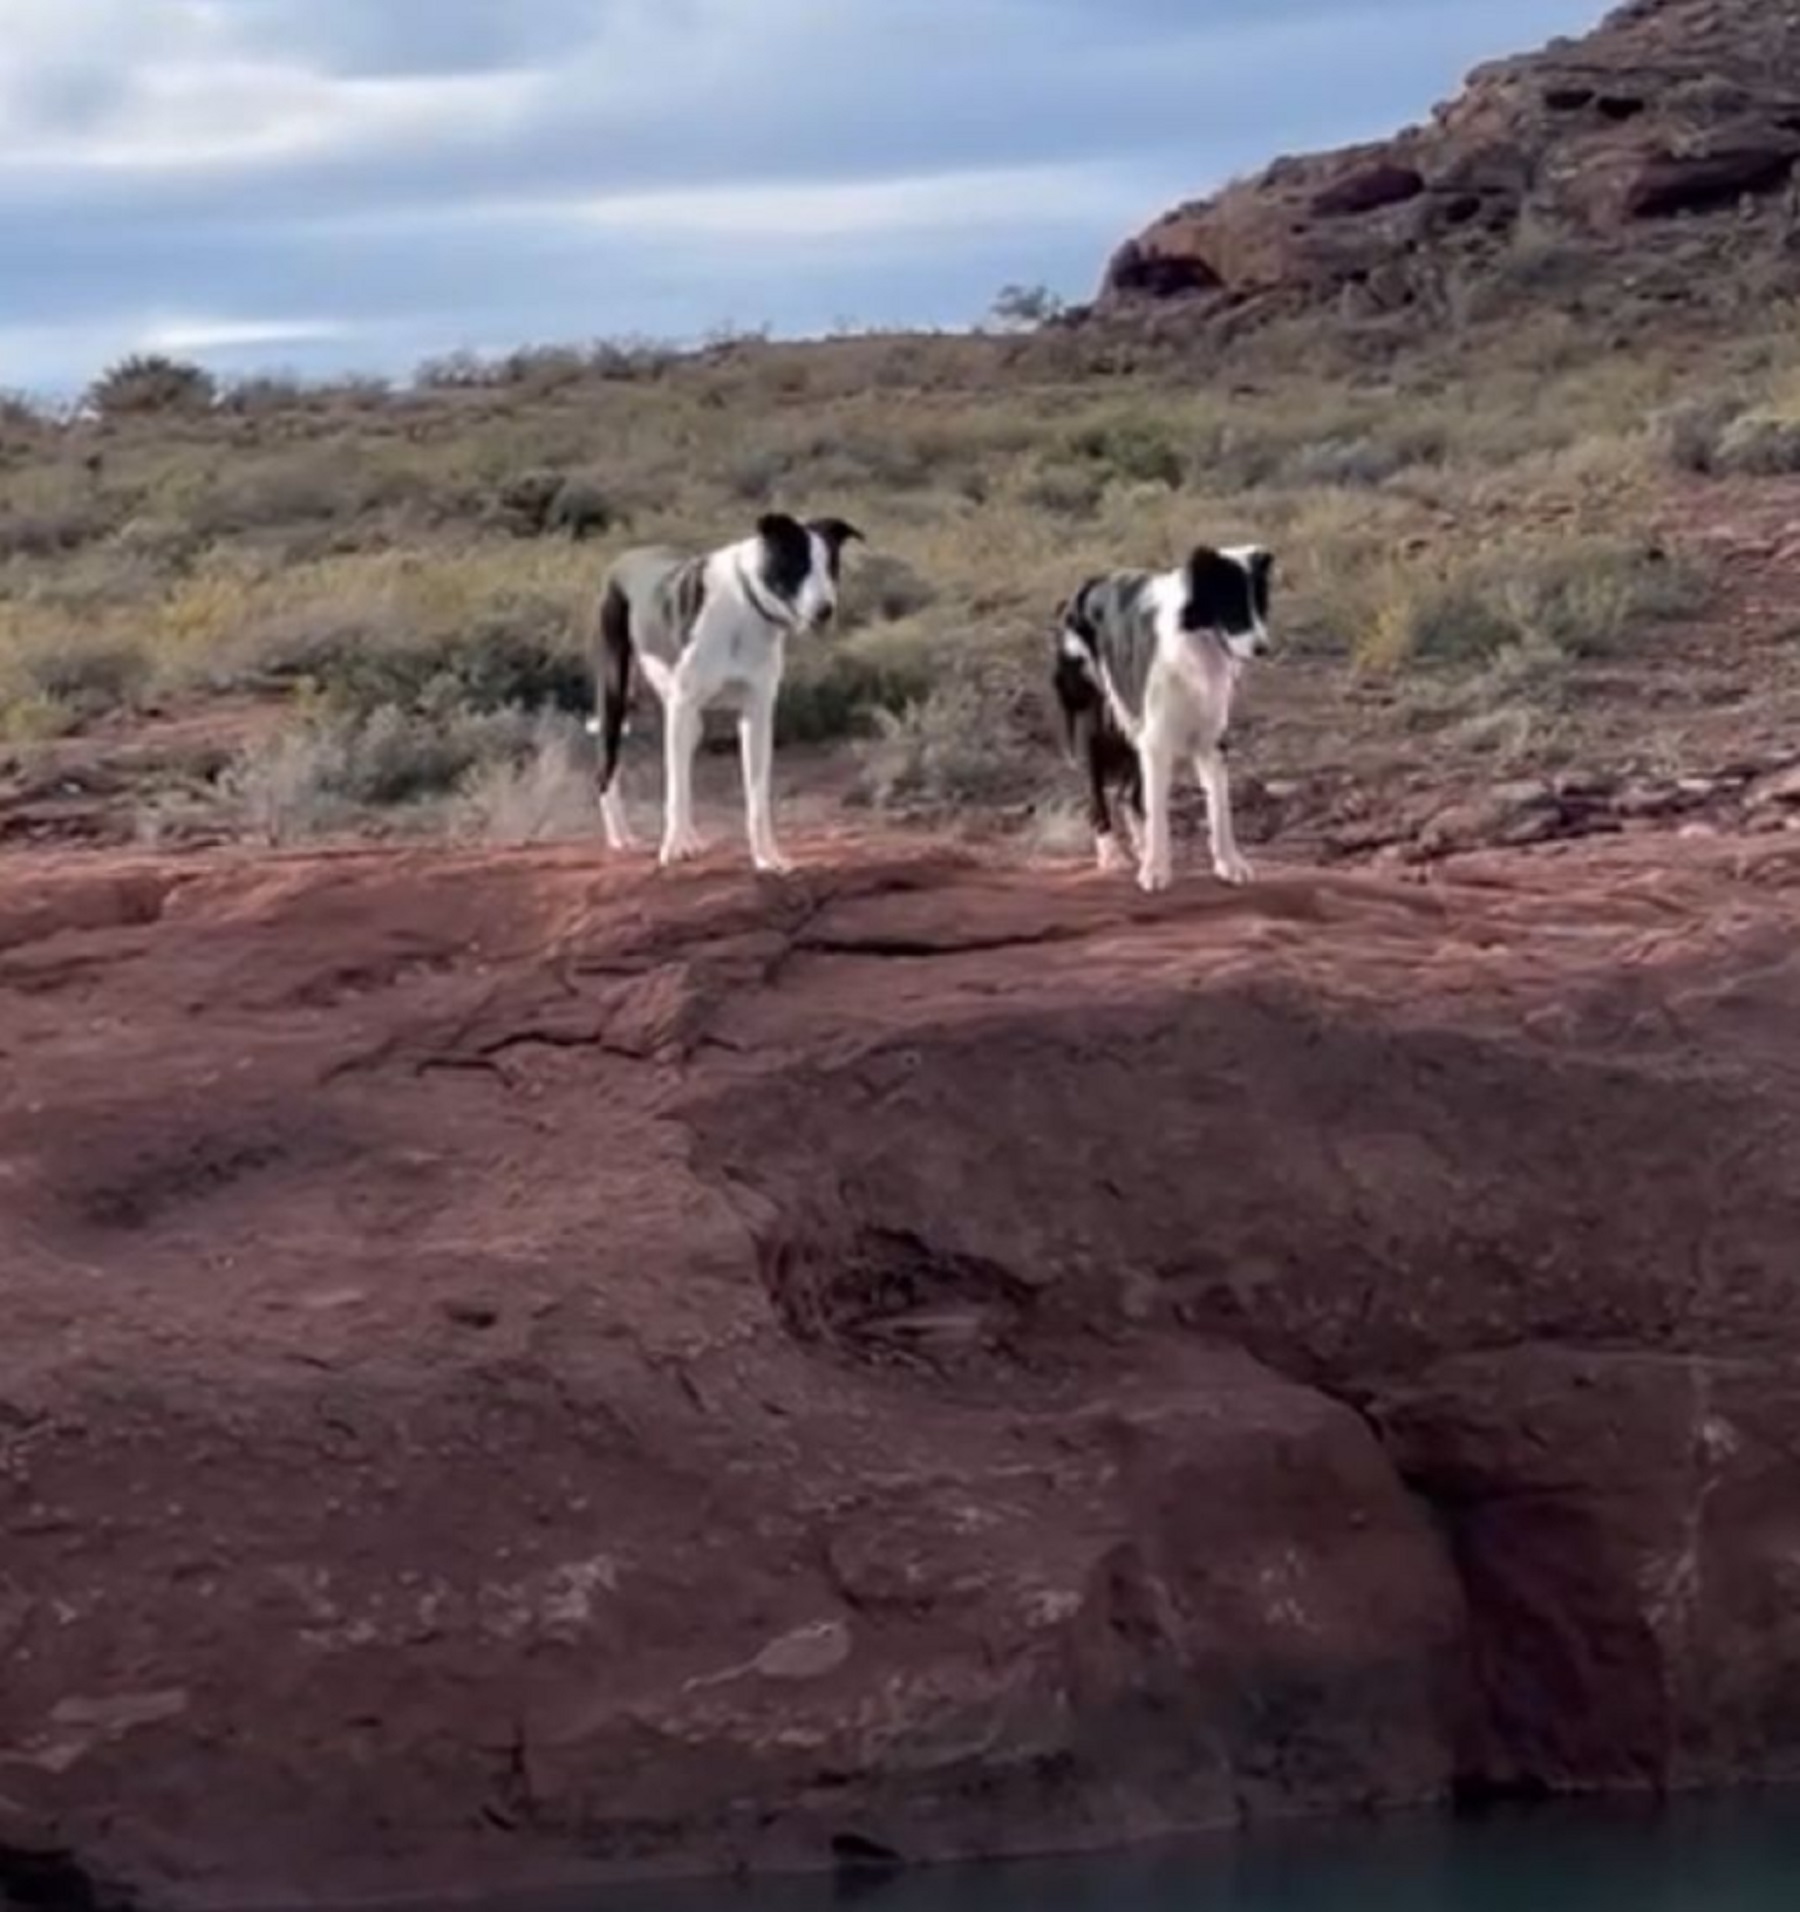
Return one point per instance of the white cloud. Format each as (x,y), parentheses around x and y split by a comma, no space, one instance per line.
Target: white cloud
(43,357)
(228,334)
(338,178)
(860,209)
(237,113)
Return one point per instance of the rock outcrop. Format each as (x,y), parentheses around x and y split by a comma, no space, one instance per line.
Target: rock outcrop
(1674,127)
(515,1371)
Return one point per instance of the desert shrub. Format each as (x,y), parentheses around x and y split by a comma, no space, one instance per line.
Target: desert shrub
(462,371)
(20,416)
(543,369)
(51,530)
(1137,450)
(1758,445)
(845,691)
(57,681)
(1358,460)
(967,741)
(313,775)
(287,787)
(163,543)
(627,361)
(755,475)
(394,756)
(1585,597)
(148,383)
(497,664)
(265,395)
(581,509)
(884,588)
(311,488)
(1436,617)
(1579,598)
(1690,433)
(91,678)
(1065,490)
(1236,454)
(525,500)
(362,648)
(545,794)
(1024,306)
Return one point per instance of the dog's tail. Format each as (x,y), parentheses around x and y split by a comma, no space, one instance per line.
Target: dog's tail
(1077,690)
(612,679)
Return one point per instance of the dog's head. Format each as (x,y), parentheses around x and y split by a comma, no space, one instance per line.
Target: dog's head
(799,564)
(1227,592)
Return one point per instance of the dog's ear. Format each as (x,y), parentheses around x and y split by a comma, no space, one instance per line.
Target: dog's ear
(1260,561)
(837,532)
(787,552)
(1212,580)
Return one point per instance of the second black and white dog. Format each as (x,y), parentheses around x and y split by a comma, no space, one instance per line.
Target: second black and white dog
(1146,664)
(705,630)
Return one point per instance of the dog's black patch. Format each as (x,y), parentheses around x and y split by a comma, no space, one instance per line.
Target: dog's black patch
(834,534)
(1220,595)
(687,593)
(1132,589)
(787,554)
(1106,757)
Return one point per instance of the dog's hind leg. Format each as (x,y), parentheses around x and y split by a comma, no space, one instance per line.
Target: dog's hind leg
(612,696)
(1091,745)
(1131,802)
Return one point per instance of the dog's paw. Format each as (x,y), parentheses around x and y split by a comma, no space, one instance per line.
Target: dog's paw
(1232,869)
(774,863)
(681,847)
(1153,877)
(1109,859)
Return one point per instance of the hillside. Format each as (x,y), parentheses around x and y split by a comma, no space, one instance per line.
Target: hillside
(519,1369)
(1648,165)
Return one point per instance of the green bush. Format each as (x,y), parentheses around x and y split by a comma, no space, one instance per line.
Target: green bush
(148,383)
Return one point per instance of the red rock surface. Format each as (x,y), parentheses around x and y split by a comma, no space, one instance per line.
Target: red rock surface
(1633,156)
(515,1369)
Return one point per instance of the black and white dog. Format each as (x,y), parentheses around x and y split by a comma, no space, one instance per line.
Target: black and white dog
(1146,663)
(708,630)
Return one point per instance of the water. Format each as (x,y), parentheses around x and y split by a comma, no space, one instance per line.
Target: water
(1731,1858)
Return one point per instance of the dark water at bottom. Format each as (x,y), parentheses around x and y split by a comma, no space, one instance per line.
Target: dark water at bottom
(1736,1858)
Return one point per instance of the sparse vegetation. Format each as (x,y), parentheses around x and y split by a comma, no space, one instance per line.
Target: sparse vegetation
(1577,598)
(150,383)
(410,572)
(1025,306)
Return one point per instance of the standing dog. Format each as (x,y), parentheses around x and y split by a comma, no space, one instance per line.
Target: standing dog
(710,630)
(1146,663)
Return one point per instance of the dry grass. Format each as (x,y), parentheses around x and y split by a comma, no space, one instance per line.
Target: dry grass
(414,570)
(1573,598)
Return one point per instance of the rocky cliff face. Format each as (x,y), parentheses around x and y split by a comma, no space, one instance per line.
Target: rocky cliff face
(514,1372)
(1671,132)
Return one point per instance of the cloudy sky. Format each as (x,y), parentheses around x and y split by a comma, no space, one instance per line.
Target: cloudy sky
(320,184)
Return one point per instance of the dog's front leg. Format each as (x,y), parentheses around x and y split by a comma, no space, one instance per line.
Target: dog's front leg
(1228,861)
(756,747)
(1156,866)
(681,738)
